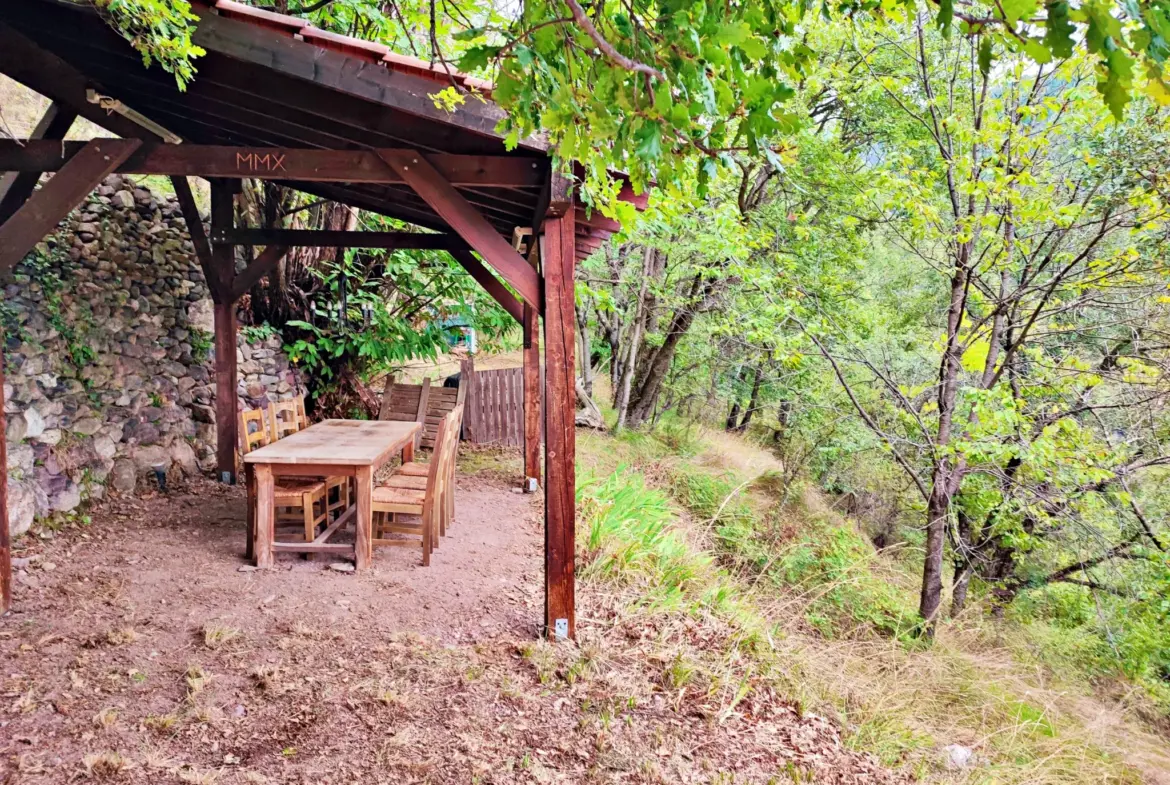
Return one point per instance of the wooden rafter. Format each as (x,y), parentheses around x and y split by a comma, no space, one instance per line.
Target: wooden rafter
(49,75)
(17,185)
(280,163)
(64,191)
(466,221)
(490,284)
(338,238)
(261,266)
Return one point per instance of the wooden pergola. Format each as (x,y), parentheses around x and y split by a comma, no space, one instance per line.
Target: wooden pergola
(335,117)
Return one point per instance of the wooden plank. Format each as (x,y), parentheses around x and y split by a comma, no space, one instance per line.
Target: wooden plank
(490,284)
(466,221)
(332,528)
(345,74)
(46,73)
(265,516)
(387,399)
(420,414)
(17,185)
(278,163)
(328,238)
(5,542)
(336,443)
(199,239)
(559,416)
(250,491)
(342,548)
(261,266)
(363,545)
(64,191)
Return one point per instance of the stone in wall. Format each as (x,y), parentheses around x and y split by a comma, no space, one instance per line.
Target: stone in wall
(108,342)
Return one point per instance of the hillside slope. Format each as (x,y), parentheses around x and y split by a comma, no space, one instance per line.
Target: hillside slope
(833,618)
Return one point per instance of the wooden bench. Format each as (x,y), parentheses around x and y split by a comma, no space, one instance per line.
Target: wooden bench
(422,403)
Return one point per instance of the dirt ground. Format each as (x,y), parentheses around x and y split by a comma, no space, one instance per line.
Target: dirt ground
(143,649)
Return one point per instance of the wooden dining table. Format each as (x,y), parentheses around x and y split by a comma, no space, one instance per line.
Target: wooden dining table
(332,448)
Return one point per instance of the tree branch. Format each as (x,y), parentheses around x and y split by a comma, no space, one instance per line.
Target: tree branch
(606,47)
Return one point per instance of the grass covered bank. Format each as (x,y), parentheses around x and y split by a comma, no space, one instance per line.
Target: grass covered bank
(787,596)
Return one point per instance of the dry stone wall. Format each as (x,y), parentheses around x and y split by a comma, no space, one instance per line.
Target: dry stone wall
(109,356)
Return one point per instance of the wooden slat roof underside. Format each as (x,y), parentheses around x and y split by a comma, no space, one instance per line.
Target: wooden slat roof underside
(269,80)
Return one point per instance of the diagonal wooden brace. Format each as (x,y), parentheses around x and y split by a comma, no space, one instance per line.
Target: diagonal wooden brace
(490,284)
(64,191)
(466,221)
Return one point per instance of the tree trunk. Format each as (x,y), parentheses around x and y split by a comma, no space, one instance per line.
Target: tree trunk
(946,476)
(753,401)
(962,583)
(658,363)
(584,351)
(628,365)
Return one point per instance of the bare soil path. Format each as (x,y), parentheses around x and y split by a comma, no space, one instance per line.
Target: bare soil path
(140,652)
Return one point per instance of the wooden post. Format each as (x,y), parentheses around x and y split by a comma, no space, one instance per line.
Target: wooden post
(531,400)
(5,545)
(558,262)
(223,269)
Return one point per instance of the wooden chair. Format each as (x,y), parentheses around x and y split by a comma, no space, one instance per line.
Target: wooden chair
(426,503)
(303,418)
(288,417)
(296,500)
(416,476)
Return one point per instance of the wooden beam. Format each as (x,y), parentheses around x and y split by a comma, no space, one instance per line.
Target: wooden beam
(195,228)
(281,163)
(46,73)
(17,186)
(261,266)
(64,191)
(466,221)
(5,543)
(334,238)
(557,263)
(490,284)
(223,267)
(345,74)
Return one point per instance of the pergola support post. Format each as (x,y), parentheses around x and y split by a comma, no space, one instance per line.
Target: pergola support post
(530,322)
(558,262)
(223,263)
(5,544)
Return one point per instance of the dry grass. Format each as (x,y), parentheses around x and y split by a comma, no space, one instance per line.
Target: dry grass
(903,703)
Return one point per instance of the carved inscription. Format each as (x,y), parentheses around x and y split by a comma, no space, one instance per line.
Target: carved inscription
(255,162)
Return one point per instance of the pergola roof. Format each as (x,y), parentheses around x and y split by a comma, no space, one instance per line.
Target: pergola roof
(274,81)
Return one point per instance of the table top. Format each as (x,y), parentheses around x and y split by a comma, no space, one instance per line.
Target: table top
(339,443)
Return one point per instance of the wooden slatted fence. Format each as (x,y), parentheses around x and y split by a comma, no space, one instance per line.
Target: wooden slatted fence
(494,406)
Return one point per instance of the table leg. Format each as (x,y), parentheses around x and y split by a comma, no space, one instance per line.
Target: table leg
(250,484)
(408,452)
(265,516)
(364,544)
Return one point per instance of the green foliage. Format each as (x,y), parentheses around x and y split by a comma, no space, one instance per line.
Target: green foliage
(45,267)
(259,333)
(202,343)
(160,30)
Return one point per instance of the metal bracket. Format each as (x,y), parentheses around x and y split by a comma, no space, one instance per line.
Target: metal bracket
(561,630)
(530,485)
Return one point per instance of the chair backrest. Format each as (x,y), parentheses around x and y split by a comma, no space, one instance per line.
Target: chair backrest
(422,403)
(456,428)
(253,437)
(283,418)
(436,475)
(303,418)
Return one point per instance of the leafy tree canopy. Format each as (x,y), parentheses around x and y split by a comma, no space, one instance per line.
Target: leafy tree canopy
(667,89)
